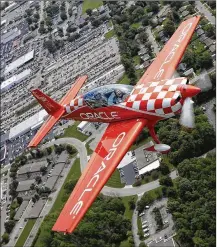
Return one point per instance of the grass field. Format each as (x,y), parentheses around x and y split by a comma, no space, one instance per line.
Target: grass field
(73,132)
(136,60)
(124,80)
(89,151)
(91,4)
(128,214)
(110,34)
(74,173)
(115,180)
(25,233)
(136,25)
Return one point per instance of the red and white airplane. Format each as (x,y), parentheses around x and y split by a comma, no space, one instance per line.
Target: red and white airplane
(128,110)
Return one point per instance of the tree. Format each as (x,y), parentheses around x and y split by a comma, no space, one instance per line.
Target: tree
(63,16)
(36,15)
(5,238)
(145,21)
(32,187)
(70,149)
(164,168)
(38,179)
(70,12)
(209,30)
(9,225)
(132,203)
(19,200)
(168,28)
(43,170)
(69,185)
(29,20)
(49,44)
(142,244)
(37,197)
(143,37)
(48,21)
(96,23)
(166,180)
(89,12)
(33,199)
(205,60)
(49,150)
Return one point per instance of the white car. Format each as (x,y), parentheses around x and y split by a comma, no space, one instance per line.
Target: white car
(142,214)
(146,235)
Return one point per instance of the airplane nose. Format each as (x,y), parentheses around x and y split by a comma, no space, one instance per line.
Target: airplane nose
(190,91)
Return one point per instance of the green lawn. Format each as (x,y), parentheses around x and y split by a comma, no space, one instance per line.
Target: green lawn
(91,4)
(110,23)
(89,151)
(110,34)
(25,233)
(136,25)
(139,225)
(128,214)
(124,80)
(73,132)
(136,60)
(139,144)
(115,180)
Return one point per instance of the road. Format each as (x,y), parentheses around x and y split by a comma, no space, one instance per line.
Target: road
(202,9)
(152,40)
(21,223)
(109,191)
(135,227)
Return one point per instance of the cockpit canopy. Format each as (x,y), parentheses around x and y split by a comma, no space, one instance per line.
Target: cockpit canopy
(107,95)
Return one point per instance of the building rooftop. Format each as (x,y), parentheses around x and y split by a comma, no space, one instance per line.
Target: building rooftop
(15,78)
(8,36)
(27,124)
(36,210)
(51,182)
(62,158)
(33,167)
(144,158)
(57,169)
(21,210)
(19,62)
(25,185)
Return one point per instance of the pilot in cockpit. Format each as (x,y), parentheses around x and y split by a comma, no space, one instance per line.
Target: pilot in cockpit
(100,100)
(116,97)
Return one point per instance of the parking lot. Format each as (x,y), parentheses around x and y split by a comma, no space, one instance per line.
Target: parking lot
(149,224)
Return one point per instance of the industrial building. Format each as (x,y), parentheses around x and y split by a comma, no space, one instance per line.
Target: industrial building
(31,123)
(10,35)
(9,83)
(19,62)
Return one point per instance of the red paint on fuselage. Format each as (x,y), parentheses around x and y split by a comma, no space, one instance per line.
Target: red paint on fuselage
(108,114)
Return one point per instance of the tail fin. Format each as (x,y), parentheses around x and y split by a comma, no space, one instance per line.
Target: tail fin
(56,110)
(46,102)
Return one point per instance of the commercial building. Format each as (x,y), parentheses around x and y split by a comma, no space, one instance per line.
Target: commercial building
(21,209)
(36,210)
(146,161)
(33,122)
(10,35)
(19,62)
(9,83)
(32,170)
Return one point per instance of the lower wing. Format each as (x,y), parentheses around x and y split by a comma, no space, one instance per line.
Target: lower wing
(117,139)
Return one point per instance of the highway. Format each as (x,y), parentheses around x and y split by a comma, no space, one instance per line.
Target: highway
(203,10)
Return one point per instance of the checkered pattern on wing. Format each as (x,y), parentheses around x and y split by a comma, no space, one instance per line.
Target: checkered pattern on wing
(155,101)
(157,86)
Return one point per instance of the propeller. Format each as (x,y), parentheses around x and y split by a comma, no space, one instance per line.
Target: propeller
(187,118)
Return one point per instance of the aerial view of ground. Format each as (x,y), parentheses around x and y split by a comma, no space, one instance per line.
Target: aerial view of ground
(134,190)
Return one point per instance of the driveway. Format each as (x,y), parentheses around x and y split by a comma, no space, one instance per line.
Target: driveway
(152,40)
(202,9)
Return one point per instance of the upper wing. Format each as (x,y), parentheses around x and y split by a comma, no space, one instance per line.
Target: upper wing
(168,59)
(115,142)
